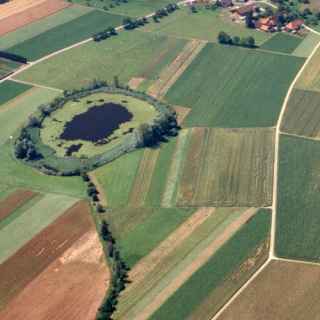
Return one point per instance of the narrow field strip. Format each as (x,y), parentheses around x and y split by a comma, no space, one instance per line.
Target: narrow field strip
(140,293)
(31,222)
(182,113)
(44,248)
(143,177)
(172,72)
(227,261)
(32,14)
(148,263)
(200,261)
(177,159)
(20,210)
(158,286)
(14,201)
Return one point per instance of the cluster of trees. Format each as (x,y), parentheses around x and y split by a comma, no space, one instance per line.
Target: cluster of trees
(164,126)
(105,34)
(130,24)
(289,10)
(3,1)
(92,192)
(119,274)
(24,147)
(164,12)
(13,57)
(248,42)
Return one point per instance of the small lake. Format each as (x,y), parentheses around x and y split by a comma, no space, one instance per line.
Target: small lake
(97,123)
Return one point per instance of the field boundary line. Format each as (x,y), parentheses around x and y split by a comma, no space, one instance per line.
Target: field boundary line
(317,264)
(101,195)
(36,85)
(299,136)
(176,68)
(276,152)
(200,261)
(174,239)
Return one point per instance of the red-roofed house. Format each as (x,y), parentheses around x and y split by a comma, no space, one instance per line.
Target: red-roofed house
(266,24)
(294,25)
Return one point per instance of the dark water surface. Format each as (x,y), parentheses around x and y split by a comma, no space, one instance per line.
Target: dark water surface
(96,123)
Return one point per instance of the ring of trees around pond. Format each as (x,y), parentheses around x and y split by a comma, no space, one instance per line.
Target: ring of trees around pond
(86,128)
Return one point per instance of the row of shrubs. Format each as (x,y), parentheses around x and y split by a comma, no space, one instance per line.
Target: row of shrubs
(30,148)
(130,23)
(225,38)
(13,57)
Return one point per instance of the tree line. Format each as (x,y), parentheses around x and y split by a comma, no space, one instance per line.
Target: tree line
(225,38)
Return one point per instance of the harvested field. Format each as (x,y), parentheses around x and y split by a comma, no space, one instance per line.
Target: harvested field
(241,97)
(310,78)
(282,42)
(14,201)
(227,261)
(32,221)
(297,232)
(302,116)
(37,254)
(72,287)
(227,167)
(36,12)
(173,71)
(16,6)
(283,291)
(143,178)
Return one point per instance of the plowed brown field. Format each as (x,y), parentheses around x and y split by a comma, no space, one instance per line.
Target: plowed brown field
(14,201)
(24,266)
(16,17)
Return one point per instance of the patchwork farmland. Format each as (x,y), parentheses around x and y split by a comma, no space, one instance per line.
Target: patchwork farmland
(213,193)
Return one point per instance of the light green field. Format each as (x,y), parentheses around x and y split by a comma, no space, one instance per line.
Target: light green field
(234,87)
(282,42)
(298,219)
(302,116)
(33,29)
(130,54)
(9,90)
(225,263)
(31,222)
(14,173)
(117,178)
(133,8)
(227,168)
(204,25)
(307,45)
(51,130)
(146,235)
(310,78)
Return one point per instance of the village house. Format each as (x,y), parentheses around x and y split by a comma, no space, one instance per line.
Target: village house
(294,25)
(243,10)
(267,24)
(225,3)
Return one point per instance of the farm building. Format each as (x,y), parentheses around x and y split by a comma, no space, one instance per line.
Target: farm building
(244,10)
(267,24)
(225,3)
(294,25)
